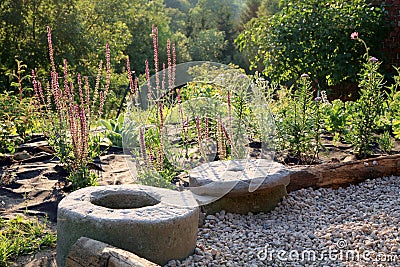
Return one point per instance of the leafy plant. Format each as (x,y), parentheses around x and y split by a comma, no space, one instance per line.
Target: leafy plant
(391,116)
(335,117)
(17,118)
(19,236)
(114,130)
(299,122)
(385,142)
(396,128)
(67,115)
(368,107)
(310,37)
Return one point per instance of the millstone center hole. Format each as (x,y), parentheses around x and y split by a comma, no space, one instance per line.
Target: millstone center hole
(119,200)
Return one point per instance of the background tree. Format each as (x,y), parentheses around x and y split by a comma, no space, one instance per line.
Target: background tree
(216,15)
(80,30)
(257,8)
(249,11)
(269,8)
(208,45)
(313,37)
(23,33)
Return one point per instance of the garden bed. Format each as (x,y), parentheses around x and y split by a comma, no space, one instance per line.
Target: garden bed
(33,182)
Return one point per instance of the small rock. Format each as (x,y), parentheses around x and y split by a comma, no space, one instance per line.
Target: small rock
(211,217)
(22,155)
(311,236)
(172,263)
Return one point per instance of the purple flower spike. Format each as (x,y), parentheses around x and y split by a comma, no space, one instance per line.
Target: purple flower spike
(373,59)
(318,98)
(354,35)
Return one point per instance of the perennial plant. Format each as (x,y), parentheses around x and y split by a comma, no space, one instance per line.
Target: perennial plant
(67,113)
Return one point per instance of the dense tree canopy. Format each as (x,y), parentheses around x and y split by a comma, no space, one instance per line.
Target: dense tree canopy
(202,29)
(80,30)
(313,36)
(284,38)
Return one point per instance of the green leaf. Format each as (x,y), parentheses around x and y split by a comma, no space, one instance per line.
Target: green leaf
(107,124)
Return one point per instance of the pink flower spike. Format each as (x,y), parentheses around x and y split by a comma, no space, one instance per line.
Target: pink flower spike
(354,35)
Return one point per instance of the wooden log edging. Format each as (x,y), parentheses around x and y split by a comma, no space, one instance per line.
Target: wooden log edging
(337,175)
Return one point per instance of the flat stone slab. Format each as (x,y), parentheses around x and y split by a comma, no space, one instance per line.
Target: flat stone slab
(239,186)
(129,217)
(237,177)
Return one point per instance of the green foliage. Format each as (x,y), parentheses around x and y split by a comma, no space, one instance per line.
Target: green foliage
(210,21)
(269,7)
(312,37)
(258,8)
(385,142)
(82,177)
(114,130)
(17,121)
(208,45)
(396,128)
(19,236)
(367,108)
(249,10)
(335,117)
(81,28)
(299,122)
(391,107)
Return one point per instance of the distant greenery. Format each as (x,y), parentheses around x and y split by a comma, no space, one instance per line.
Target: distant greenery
(312,36)
(81,28)
(20,236)
(283,38)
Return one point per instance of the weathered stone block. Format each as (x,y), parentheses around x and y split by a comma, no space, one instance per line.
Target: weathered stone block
(129,218)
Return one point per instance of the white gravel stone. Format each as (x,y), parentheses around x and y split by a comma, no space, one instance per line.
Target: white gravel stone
(345,227)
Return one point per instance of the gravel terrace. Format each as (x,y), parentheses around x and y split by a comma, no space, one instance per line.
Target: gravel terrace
(354,226)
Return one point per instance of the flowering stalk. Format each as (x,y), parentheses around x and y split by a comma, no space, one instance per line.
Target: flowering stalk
(354,36)
(142,145)
(87,100)
(163,80)
(132,82)
(220,140)
(68,131)
(108,70)
(149,90)
(226,134)
(173,65)
(155,47)
(102,100)
(170,71)
(207,130)
(161,121)
(97,86)
(230,120)
(51,53)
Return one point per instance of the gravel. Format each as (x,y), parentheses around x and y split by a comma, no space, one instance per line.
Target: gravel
(355,226)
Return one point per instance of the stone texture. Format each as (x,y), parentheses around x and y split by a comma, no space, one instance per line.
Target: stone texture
(239,186)
(131,217)
(89,252)
(258,201)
